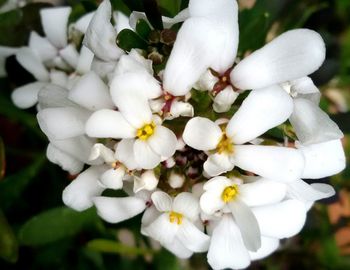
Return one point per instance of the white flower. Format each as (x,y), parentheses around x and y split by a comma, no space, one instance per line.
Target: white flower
(175,228)
(259,112)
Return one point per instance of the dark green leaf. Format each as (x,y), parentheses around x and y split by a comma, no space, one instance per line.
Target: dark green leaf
(55,224)
(12,186)
(134,5)
(8,241)
(127,40)
(153,13)
(171,7)
(110,246)
(143,29)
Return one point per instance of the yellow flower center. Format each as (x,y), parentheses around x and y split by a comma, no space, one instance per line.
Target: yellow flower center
(146,131)
(225,145)
(175,217)
(229,193)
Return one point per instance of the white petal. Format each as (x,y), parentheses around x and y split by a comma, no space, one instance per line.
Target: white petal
(217,164)
(162,229)
(281,220)
(206,81)
(62,123)
(202,134)
(217,184)
(78,194)
(83,22)
(268,245)
(42,47)
(178,249)
(64,160)
(163,141)
(294,54)
(121,21)
(59,78)
(125,153)
(52,96)
(227,249)
(180,108)
(192,238)
(151,214)
(224,99)
(187,204)
(247,224)
(311,124)
(27,58)
(101,36)
(113,178)
(323,159)
(272,162)
(309,193)
(147,181)
(211,202)
(91,93)
(26,96)
(109,124)
(162,201)
(134,62)
(85,60)
(104,69)
(115,210)
(99,150)
(262,192)
(70,55)
(259,112)
(145,157)
(55,24)
(305,88)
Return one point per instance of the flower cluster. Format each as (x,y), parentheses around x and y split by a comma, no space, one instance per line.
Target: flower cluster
(185,134)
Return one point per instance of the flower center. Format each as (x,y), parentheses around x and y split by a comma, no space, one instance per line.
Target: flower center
(146,131)
(175,217)
(225,145)
(229,193)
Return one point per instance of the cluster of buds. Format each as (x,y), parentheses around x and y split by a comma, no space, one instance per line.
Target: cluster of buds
(182,127)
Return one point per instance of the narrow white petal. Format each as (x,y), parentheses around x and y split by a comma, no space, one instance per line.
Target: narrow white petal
(187,204)
(292,55)
(217,164)
(83,22)
(79,194)
(55,24)
(272,162)
(64,160)
(85,60)
(163,141)
(162,201)
(115,210)
(121,21)
(113,178)
(302,191)
(162,229)
(42,47)
(109,124)
(202,134)
(192,238)
(145,157)
(91,93)
(281,220)
(178,249)
(262,192)
(31,62)
(62,123)
(247,224)
(259,112)
(268,245)
(101,37)
(311,124)
(70,55)
(26,96)
(227,249)
(125,153)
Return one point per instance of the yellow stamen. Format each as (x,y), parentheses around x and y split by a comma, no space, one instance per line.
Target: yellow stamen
(146,131)
(175,217)
(229,193)
(225,145)
(224,79)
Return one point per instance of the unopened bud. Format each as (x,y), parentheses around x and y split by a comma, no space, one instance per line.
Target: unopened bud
(224,100)
(176,180)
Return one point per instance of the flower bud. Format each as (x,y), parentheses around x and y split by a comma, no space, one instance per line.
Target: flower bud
(176,180)
(224,99)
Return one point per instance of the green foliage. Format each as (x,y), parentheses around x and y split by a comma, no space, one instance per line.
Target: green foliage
(8,241)
(110,246)
(128,39)
(143,29)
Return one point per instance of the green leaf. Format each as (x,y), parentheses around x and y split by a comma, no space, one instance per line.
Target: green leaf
(110,246)
(127,40)
(12,186)
(143,29)
(8,241)
(2,159)
(134,5)
(166,258)
(171,7)
(55,224)
(153,14)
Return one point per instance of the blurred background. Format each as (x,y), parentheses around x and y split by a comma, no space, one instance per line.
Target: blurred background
(38,232)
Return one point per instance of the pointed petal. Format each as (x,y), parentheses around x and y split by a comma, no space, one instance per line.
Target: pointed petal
(55,24)
(217,164)
(162,201)
(187,204)
(281,220)
(108,124)
(121,21)
(101,36)
(78,194)
(85,60)
(202,134)
(247,224)
(268,245)
(272,162)
(311,124)
(163,142)
(26,96)
(145,157)
(62,123)
(83,22)
(42,47)
(302,191)
(27,58)
(262,192)
(125,153)
(227,249)
(115,210)
(192,238)
(162,229)
(113,178)
(292,55)
(259,112)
